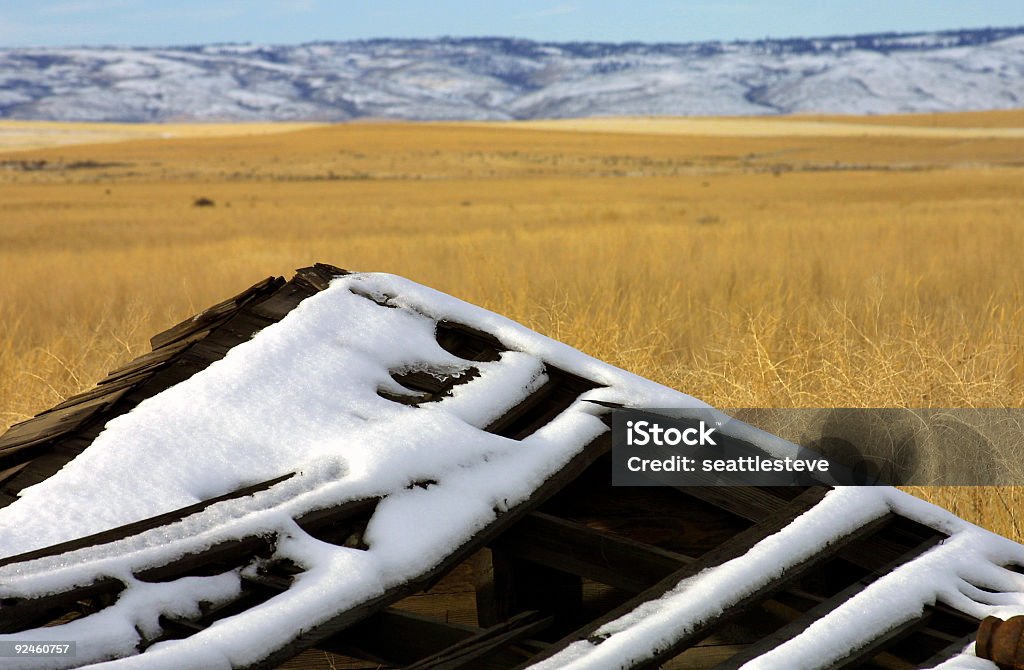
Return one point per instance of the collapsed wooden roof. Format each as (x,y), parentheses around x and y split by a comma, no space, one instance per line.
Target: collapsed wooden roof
(551,573)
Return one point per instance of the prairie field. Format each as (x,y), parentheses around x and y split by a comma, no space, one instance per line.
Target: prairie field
(815,261)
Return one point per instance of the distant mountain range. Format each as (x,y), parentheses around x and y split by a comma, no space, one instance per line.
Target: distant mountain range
(497,78)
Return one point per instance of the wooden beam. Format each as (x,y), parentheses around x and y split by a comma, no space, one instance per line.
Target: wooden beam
(507,586)
(487,641)
(394,637)
(309,638)
(397,638)
(953,649)
(556,395)
(136,527)
(802,622)
(19,614)
(594,554)
(733,548)
(755,504)
(746,502)
(390,637)
(209,317)
(878,645)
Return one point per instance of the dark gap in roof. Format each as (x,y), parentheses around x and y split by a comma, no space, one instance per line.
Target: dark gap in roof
(343,525)
(347,531)
(536,410)
(20,614)
(654,515)
(425,624)
(384,300)
(269,581)
(451,599)
(427,385)
(829,584)
(599,598)
(468,342)
(940,628)
(215,560)
(540,407)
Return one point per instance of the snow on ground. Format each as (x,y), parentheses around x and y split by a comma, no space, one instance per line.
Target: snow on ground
(496,78)
(301,396)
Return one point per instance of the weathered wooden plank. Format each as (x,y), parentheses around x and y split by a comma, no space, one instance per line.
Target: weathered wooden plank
(746,502)
(18,614)
(733,548)
(545,490)
(7,473)
(205,319)
(240,328)
(317,519)
(182,367)
(871,553)
(394,637)
(174,628)
(467,652)
(240,552)
(284,300)
(104,390)
(507,586)
(560,391)
(41,467)
(703,656)
(801,623)
(54,424)
(653,515)
(152,361)
(862,654)
(397,637)
(389,637)
(137,527)
(953,649)
(597,555)
(320,275)
(39,462)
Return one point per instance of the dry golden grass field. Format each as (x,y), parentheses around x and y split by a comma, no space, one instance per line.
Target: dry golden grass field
(785,262)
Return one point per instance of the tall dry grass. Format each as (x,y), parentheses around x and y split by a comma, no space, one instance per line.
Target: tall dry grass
(697,262)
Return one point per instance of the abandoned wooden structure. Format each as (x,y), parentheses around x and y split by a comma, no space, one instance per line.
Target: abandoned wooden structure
(545,574)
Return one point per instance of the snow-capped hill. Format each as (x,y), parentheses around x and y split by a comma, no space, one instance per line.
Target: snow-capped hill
(499,78)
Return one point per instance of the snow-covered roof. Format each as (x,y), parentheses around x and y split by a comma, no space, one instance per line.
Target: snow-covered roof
(298,459)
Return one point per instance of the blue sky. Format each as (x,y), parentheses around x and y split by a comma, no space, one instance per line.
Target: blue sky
(156,22)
